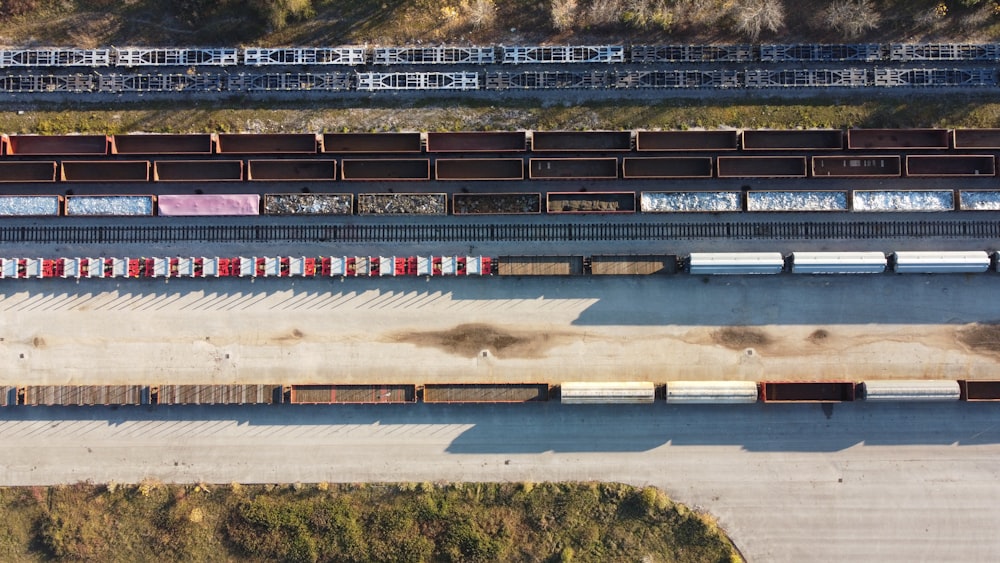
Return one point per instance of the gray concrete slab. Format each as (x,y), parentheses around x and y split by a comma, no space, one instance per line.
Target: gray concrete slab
(855,482)
(417,330)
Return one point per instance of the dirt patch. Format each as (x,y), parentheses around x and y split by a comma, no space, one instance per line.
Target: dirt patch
(818,336)
(38,342)
(982,338)
(740,337)
(294,335)
(469,340)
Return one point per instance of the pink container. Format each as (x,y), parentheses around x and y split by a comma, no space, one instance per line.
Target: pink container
(208,205)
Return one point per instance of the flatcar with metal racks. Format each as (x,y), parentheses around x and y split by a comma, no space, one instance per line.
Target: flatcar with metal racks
(358,55)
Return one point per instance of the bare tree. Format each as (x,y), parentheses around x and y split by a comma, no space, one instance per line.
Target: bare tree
(482,13)
(564,14)
(852,17)
(755,16)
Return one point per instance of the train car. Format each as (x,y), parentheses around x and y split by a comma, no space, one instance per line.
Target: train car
(572,168)
(978,390)
(861,166)
(903,200)
(793,140)
(496,203)
(589,202)
(940,262)
(85,395)
(485,392)
(838,262)
(291,170)
(308,204)
(374,143)
(57,145)
(477,141)
(208,205)
(735,263)
(471,169)
(402,204)
(580,141)
(198,170)
(761,166)
(711,392)
(807,391)
(385,169)
(897,139)
(667,167)
(110,205)
(28,171)
(690,202)
(540,265)
(796,201)
(976,139)
(192,144)
(280,143)
(926,165)
(687,140)
(632,265)
(910,390)
(352,394)
(600,392)
(30,205)
(215,394)
(104,171)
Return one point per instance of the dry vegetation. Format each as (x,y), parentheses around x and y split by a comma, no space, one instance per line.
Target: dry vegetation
(392,523)
(89,23)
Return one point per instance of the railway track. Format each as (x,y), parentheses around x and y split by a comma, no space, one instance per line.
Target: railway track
(554,232)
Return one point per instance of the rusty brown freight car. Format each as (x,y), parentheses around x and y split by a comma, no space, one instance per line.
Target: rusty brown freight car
(540,265)
(590,202)
(198,170)
(485,392)
(871,166)
(386,169)
(28,171)
(976,138)
(807,391)
(762,166)
(281,143)
(497,204)
(357,394)
(633,265)
(687,140)
(477,141)
(162,144)
(573,168)
(976,391)
(573,141)
(793,140)
(668,167)
(897,138)
(57,145)
(216,394)
(479,169)
(105,171)
(950,165)
(371,142)
(291,170)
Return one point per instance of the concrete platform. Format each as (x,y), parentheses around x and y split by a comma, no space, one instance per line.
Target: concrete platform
(499,329)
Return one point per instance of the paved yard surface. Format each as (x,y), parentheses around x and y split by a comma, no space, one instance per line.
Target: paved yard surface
(856,482)
(499,329)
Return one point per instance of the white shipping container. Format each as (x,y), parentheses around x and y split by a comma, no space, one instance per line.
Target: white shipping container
(729,263)
(423,265)
(941,262)
(838,262)
(711,392)
(911,390)
(586,392)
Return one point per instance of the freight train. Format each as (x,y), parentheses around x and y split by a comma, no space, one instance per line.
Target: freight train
(461,159)
(697,263)
(357,55)
(672,392)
